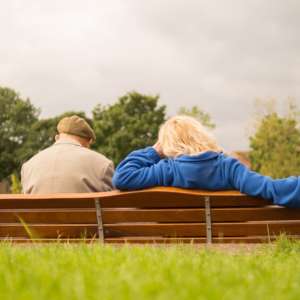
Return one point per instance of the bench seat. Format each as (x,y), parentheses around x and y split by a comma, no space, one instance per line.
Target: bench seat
(158,215)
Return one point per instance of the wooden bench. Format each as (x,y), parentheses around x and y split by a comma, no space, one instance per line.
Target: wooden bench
(158,215)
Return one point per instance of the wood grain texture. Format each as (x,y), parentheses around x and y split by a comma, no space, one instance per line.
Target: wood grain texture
(164,215)
(158,215)
(155,197)
(264,228)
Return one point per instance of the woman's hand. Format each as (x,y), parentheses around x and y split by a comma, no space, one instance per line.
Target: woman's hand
(158,149)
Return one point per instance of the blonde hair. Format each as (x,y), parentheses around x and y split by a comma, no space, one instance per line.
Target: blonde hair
(183,135)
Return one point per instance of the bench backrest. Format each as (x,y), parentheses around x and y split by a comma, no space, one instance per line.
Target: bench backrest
(158,215)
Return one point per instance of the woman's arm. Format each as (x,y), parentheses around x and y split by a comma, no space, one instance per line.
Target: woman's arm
(285,192)
(142,169)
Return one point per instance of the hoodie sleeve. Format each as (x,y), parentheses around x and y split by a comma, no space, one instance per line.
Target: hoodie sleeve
(285,192)
(142,169)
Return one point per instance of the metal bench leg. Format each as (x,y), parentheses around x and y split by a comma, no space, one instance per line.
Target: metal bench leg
(208,221)
(99,221)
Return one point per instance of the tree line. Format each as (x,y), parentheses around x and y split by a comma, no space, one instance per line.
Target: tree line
(133,122)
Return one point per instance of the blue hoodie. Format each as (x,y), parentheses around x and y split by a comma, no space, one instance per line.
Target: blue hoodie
(210,171)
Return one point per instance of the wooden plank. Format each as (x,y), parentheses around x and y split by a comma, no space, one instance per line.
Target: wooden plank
(48,230)
(254,214)
(198,229)
(152,229)
(175,199)
(107,195)
(166,215)
(256,228)
(49,216)
(88,216)
(46,203)
(155,229)
(151,198)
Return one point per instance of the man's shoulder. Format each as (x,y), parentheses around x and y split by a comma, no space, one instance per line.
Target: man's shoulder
(80,153)
(95,155)
(40,153)
(37,157)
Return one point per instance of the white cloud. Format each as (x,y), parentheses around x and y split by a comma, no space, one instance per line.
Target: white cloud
(219,55)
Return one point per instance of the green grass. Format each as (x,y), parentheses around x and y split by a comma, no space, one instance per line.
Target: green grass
(172,272)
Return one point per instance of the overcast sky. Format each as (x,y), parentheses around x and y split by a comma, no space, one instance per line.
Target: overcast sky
(219,55)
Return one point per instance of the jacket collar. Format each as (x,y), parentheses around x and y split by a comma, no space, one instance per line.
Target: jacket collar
(67,142)
(202,156)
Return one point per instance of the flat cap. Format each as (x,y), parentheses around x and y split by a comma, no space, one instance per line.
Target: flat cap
(76,126)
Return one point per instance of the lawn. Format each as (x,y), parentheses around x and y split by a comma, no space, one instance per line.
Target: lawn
(81,272)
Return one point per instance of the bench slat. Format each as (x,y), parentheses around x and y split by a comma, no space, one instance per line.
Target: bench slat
(190,215)
(150,198)
(49,230)
(162,214)
(49,216)
(199,229)
(149,229)
(256,228)
(173,200)
(254,214)
(149,201)
(116,193)
(46,203)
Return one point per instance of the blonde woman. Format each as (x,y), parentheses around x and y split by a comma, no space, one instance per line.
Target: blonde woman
(187,156)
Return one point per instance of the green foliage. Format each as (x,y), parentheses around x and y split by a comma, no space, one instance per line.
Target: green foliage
(195,112)
(275,147)
(16,118)
(169,272)
(131,123)
(22,133)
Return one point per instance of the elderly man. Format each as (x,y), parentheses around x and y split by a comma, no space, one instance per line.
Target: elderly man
(68,165)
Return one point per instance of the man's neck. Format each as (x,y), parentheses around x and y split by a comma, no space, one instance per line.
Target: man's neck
(66,140)
(73,139)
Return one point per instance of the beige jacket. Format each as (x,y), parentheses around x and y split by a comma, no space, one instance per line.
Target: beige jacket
(67,167)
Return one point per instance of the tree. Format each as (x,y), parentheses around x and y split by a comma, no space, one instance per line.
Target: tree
(131,123)
(275,147)
(195,112)
(16,118)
